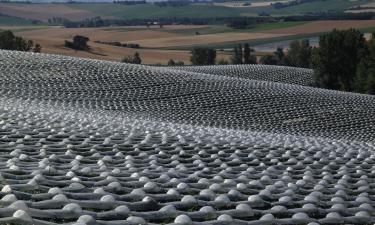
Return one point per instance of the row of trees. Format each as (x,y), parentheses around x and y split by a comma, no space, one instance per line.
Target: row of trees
(243,55)
(9,41)
(298,55)
(345,61)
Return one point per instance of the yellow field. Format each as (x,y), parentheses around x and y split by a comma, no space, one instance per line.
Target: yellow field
(52,41)
(157,44)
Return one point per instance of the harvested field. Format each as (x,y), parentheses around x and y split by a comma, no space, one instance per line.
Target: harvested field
(43,11)
(113,53)
(203,39)
(99,34)
(52,40)
(323,26)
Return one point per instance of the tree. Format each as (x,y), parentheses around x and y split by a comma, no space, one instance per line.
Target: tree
(364,82)
(171,62)
(269,60)
(37,48)
(237,55)
(9,41)
(136,59)
(279,54)
(203,56)
(79,43)
(299,54)
(335,61)
(248,58)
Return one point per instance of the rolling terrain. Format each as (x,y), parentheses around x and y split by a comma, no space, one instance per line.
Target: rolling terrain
(82,11)
(159,45)
(95,142)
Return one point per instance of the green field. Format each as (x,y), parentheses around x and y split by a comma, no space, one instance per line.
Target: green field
(14,21)
(317,6)
(203,10)
(149,11)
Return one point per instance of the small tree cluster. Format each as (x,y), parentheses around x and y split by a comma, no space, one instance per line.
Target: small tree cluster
(79,43)
(299,54)
(9,41)
(336,60)
(243,55)
(203,56)
(171,62)
(136,59)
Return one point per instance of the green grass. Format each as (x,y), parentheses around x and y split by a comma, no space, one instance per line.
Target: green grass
(150,11)
(14,21)
(18,29)
(202,10)
(317,6)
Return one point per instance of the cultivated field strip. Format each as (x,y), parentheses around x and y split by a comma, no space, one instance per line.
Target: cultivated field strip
(282,74)
(93,142)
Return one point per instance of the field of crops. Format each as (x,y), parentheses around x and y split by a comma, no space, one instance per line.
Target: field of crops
(146,11)
(103,143)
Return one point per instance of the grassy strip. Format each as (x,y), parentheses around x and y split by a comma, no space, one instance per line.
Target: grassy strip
(22,29)
(14,21)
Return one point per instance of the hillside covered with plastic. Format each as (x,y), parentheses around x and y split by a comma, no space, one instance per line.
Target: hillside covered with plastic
(94,142)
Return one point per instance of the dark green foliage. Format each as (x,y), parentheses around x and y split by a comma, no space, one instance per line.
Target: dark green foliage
(237,55)
(171,62)
(247,57)
(364,81)
(276,59)
(269,60)
(136,59)
(9,41)
(37,48)
(279,54)
(299,54)
(335,61)
(203,56)
(79,43)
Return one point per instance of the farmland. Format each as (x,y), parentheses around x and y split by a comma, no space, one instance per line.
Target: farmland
(90,137)
(175,41)
(148,11)
(97,142)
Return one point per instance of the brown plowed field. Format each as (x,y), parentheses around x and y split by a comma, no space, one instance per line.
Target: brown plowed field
(43,12)
(323,26)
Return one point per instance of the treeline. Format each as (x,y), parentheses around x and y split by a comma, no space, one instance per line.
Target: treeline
(280,5)
(100,22)
(119,44)
(8,41)
(345,61)
(234,22)
(125,2)
(171,3)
